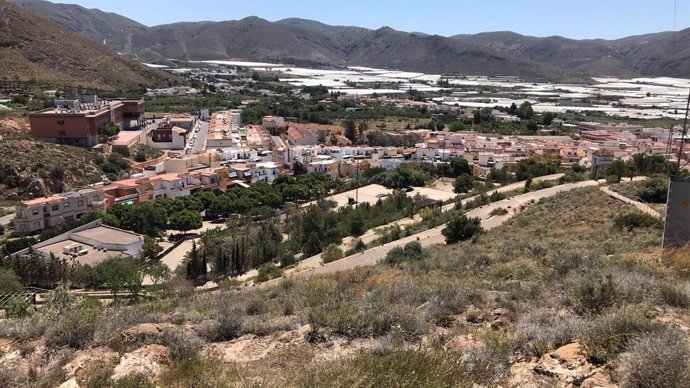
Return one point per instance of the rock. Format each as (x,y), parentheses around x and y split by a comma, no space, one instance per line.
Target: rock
(598,380)
(89,357)
(566,364)
(71,383)
(147,360)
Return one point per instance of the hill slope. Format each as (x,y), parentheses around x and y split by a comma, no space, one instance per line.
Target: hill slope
(32,48)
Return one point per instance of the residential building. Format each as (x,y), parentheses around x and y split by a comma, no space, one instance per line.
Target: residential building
(46,212)
(167,136)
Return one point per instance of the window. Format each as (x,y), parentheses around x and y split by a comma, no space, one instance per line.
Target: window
(96,198)
(56,207)
(37,225)
(61,122)
(34,211)
(65,204)
(80,202)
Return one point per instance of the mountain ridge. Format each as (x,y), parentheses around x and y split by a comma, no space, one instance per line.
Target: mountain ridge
(309,42)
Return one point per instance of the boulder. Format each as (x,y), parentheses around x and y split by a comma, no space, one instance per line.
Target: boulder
(147,360)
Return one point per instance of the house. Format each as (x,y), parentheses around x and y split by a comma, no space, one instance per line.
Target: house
(301,136)
(40,213)
(167,136)
(601,158)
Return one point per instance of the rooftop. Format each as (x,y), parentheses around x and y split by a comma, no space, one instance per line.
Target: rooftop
(109,235)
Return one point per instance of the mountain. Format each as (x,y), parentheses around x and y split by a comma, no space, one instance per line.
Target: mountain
(32,48)
(90,23)
(650,54)
(306,42)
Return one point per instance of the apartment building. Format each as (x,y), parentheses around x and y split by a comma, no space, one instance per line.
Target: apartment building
(46,212)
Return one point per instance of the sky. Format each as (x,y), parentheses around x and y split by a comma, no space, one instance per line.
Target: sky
(578,19)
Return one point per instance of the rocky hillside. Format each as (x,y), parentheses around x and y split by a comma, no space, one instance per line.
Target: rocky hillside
(32,48)
(30,168)
(556,297)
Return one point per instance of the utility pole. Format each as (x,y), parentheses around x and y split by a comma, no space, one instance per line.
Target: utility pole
(356,182)
(684,132)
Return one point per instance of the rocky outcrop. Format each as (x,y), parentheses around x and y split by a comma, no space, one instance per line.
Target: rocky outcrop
(148,360)
(565,367)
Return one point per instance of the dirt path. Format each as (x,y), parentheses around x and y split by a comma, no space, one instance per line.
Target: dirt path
(433,236)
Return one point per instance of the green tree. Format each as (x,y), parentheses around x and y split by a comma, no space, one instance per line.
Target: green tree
(547,118)
(463,183)
(350,130)
(525,111)
(107,130)
(185,220)
(461,228)
(120,274)
(150,250)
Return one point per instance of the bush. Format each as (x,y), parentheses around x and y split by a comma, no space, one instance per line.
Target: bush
(657,359)
(677,295)
(499,212)
(496,196)
(461,228)
(594,295)
(612,332)
(331,253)
(412,251)
(544,330)
(227,325)
(267,272)
(9,282)
(17,307)
(399,368)
(654,190)
(74,328)
(632,221)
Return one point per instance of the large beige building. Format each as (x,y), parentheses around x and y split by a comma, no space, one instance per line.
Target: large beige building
(46,212)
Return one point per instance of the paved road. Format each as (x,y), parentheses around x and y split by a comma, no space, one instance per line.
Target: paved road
(433,236)
(201,132)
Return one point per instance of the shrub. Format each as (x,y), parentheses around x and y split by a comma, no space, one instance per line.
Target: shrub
(461,228)
(496,196)
(9,282)
(226,326)
(544,330)
(594,295)
(199,371)
(17,307)
(399,368)
(632,221)
(412,251)
(657,359)
(677,295)
(331,253)
(74,328)
(611,332)
(499,212)
(267,272)
(653,190)
(448,302)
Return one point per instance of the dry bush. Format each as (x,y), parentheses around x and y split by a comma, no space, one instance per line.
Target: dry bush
(675,294)
(658,359)
(544,330)
(398,368)
(611,332)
